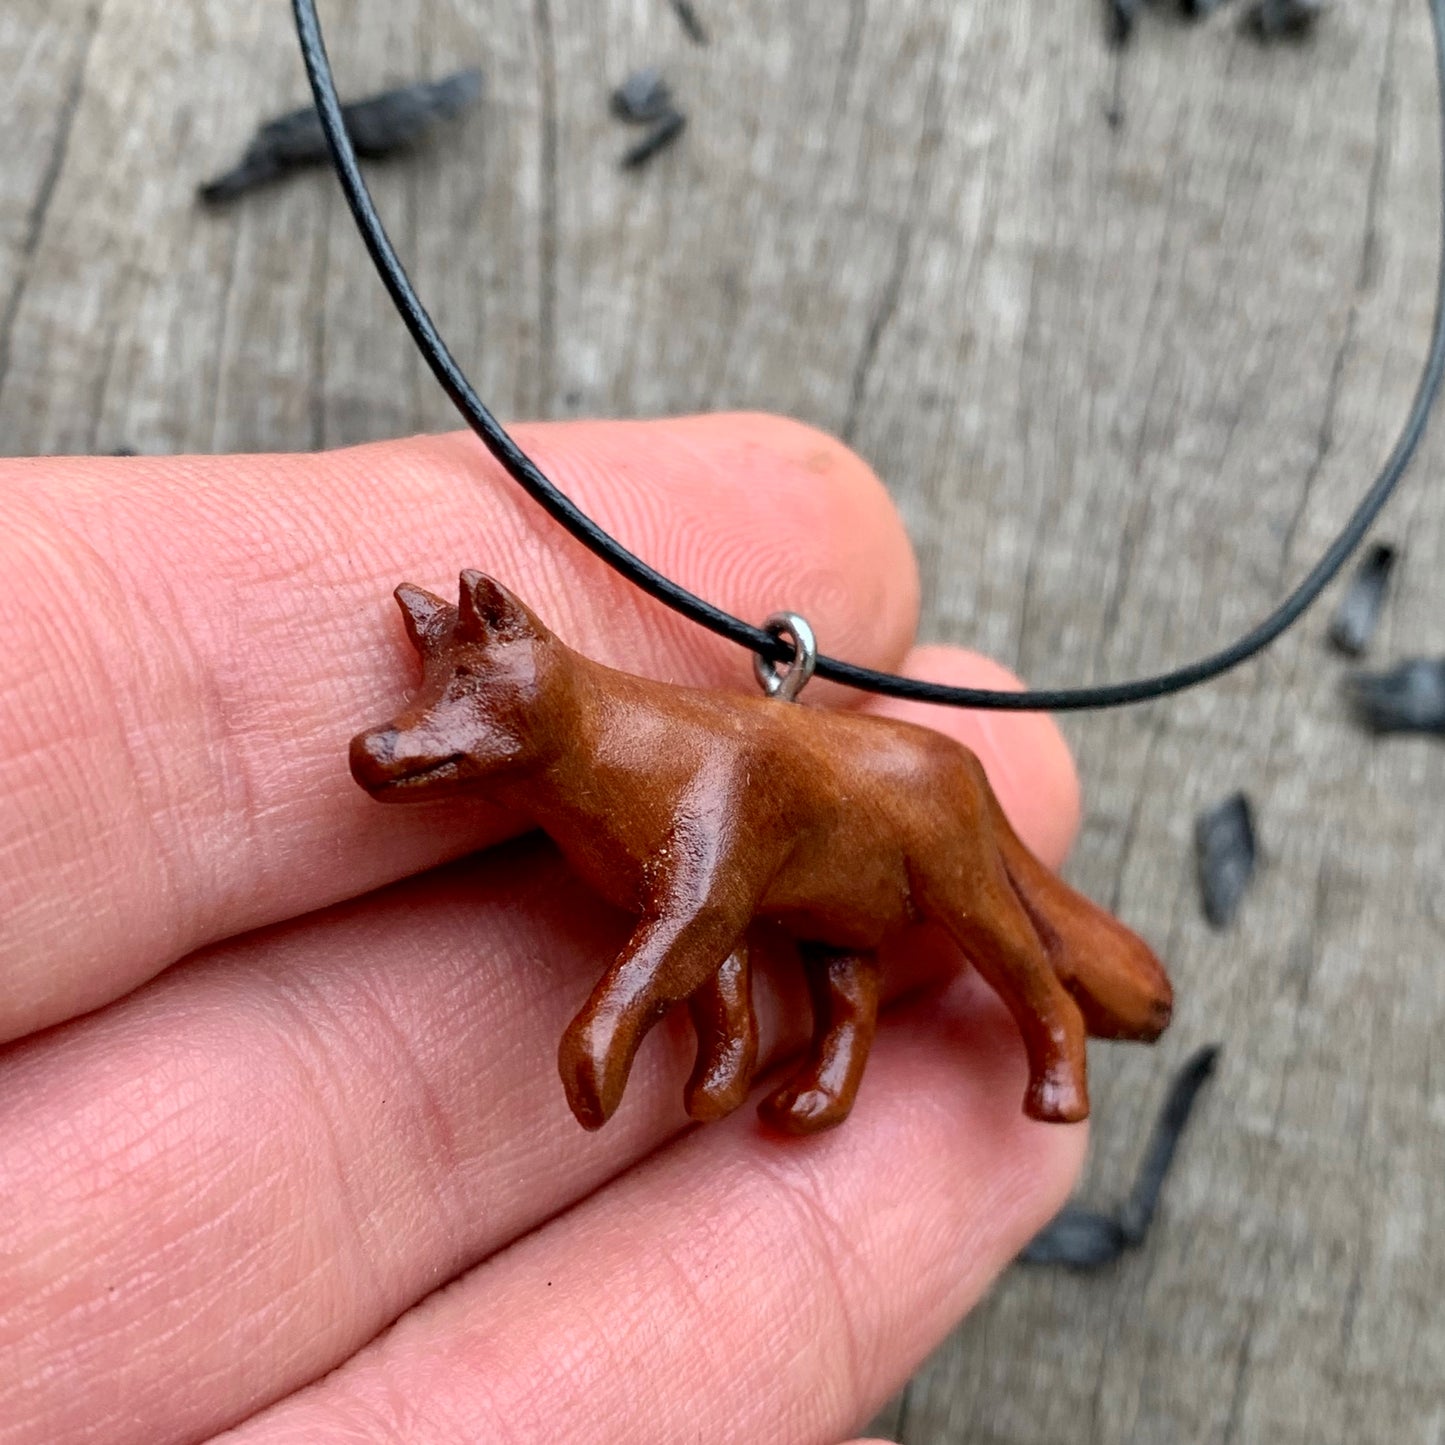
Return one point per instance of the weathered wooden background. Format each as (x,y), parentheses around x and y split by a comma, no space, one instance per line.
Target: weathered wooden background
(1122,380)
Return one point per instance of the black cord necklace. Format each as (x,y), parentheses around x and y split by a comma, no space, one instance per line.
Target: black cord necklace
(766,644)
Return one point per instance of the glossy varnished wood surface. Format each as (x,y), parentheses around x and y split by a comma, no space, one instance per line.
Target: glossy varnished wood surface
(1123,382)
(706,814)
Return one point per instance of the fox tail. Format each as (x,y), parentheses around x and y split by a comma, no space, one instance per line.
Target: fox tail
(1120,986)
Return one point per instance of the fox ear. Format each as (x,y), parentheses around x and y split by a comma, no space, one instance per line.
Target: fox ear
(420,610)
(489,613)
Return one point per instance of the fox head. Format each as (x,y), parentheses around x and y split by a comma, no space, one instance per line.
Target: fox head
(490,671)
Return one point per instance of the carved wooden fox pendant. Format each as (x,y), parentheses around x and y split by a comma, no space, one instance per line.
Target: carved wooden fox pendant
(699,812)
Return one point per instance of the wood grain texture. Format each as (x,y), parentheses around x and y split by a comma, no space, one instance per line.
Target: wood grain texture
(1124,381)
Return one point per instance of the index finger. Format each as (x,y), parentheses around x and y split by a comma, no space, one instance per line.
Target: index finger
(192,641)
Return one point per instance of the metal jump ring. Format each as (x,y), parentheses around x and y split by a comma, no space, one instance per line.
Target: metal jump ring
(786,685)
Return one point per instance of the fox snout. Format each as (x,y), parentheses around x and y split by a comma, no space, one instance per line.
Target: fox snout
(393,762)
(373,755)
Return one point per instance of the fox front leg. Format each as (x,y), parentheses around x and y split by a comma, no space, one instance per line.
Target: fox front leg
(727,1040)
(671,954)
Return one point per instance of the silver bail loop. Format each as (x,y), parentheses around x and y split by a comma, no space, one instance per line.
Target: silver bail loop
(786,685)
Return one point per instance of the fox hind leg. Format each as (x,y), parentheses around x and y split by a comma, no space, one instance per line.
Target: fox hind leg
(844,989)
(988,921)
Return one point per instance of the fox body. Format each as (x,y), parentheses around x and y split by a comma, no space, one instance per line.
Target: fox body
(701,813)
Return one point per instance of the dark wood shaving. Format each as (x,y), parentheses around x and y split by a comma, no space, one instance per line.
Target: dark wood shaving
(1285,19)
(662,135)
(1358,613)
(1122,15)
(688,18)
(1226,851)
(1085,1239)
(379,125)
(643,96)
(1077,1239)
(1410,698)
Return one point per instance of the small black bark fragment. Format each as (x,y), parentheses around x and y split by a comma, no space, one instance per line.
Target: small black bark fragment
(1078,1239)
(688,18)
(1358,614)
(1122,15)
(1224,844)
(1085,1239)
(378,126)
(662,135)
(1138,1212)
(1409,698)
(1283,19)
(1198,9)
(643,96)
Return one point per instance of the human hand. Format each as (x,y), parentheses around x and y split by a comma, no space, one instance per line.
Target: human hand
(282,1068)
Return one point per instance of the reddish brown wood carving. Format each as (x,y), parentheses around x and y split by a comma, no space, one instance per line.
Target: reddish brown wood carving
(699,812)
